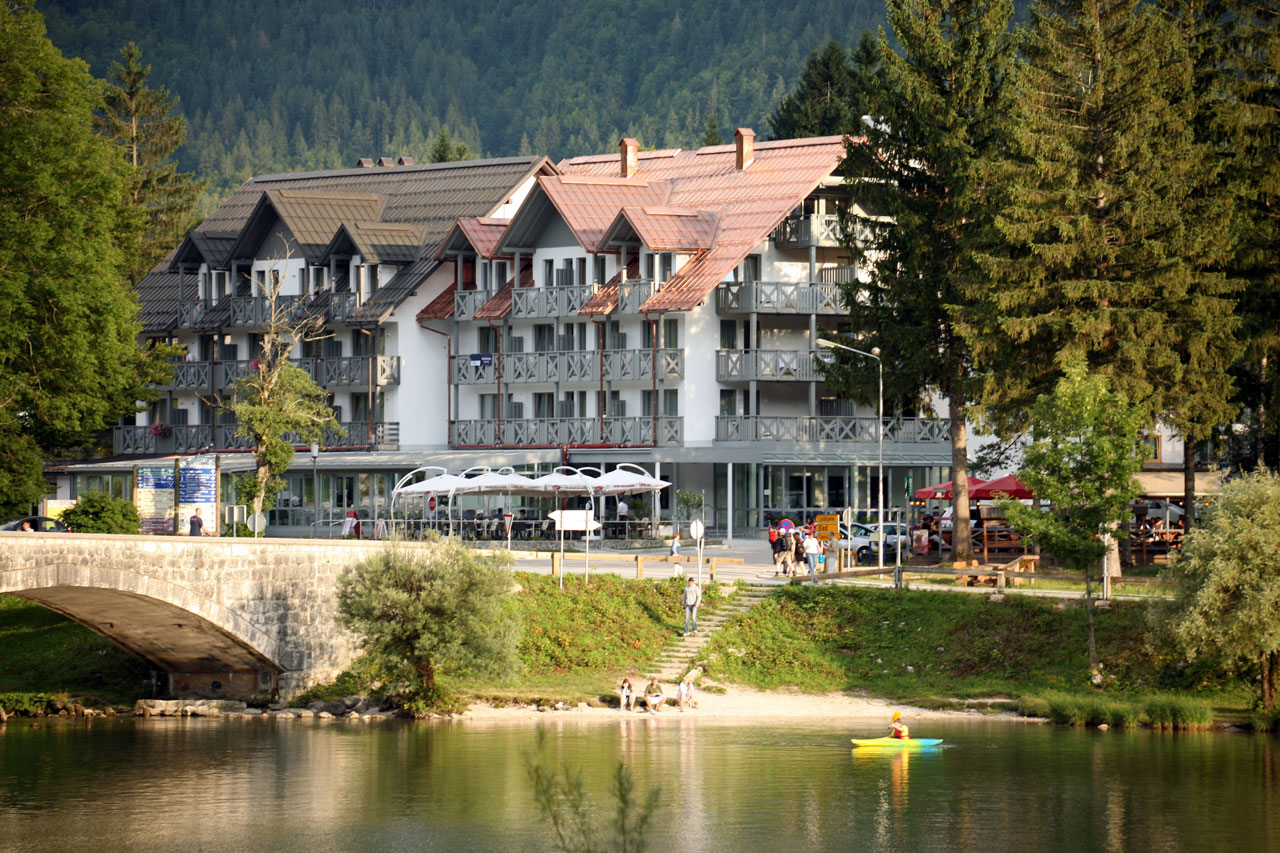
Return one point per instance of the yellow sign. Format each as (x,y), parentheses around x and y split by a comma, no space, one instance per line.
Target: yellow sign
(827,527)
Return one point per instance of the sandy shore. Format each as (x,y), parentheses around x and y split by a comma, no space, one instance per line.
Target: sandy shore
(746,704)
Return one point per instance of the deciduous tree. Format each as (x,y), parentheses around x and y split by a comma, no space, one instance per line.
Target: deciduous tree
(1229,582)
(70,365)
(278,405)
(939,109)
(1083,453)
(432,609)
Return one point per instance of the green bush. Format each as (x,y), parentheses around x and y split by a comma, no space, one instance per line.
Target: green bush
(1033,706)
(98,512)
(28,704)
(1267,721)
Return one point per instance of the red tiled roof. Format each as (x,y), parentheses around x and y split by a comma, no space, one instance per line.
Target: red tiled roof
(500,305)
(750,202)
(670,229)
(440,308)
(483,233)
(604,300)
(588,203)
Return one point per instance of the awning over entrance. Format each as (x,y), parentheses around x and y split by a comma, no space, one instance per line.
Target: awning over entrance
(1169,484)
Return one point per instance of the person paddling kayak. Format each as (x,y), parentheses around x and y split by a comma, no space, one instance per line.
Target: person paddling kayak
(898,729)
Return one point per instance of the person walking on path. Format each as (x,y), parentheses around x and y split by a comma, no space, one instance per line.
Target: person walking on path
(692,598)
(197,525)
(812,548)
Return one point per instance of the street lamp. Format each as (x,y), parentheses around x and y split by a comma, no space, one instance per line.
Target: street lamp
(315,484)
(875,353)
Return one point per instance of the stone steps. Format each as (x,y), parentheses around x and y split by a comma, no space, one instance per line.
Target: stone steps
(677,656)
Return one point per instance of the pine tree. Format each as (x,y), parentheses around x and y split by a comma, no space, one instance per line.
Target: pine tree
(145,124)
(826,100)
(711,135)
(444,149)
(938,109)
(1105,246)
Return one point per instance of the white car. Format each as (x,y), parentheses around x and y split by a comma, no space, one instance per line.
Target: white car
(862,540)
(896,534)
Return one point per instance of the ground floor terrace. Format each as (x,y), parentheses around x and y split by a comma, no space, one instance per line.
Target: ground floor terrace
(741,489)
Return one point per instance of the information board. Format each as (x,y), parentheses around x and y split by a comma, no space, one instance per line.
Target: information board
(198,489)
(153,496)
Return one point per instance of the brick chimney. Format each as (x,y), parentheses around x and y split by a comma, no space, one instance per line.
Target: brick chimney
(629,154)
(744,138)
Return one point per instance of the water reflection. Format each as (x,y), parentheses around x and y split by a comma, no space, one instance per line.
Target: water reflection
(307,785)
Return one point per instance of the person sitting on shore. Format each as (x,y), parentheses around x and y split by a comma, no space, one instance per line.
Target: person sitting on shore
(654,697)
(898,729)
(628,695)
(684,693)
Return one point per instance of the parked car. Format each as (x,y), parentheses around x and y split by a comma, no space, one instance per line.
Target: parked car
(39,523)
(862,540)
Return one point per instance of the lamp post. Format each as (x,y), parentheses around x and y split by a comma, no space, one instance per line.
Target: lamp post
(875,353)
(315,483)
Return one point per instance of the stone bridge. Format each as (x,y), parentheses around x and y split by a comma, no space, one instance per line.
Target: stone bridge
(222,617)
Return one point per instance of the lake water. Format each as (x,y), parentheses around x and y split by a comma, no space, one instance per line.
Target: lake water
(210,785)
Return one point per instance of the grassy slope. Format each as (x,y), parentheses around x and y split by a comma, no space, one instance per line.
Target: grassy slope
(41,651)
(930,646)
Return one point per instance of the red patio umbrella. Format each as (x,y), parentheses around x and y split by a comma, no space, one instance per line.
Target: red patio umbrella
(1009,486)
(942,491)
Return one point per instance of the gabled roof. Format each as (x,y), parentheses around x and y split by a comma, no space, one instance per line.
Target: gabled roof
(750,202)
(384,300)
(312,217)
(663,229)
(587,203)
(158,298)
(479,234)
(377,242)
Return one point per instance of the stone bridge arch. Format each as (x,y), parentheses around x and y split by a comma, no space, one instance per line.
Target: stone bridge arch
(223,617)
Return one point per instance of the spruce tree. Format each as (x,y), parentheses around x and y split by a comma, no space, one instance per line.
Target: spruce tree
(826,100)
(711,135)
(1252,61)
(445,150)
(937,111)
(144,123)
(1105,245)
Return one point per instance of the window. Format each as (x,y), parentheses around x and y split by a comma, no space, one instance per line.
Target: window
(261,277)
(671,403)
(488,407)
(484,276)
(670,334)
(1152,443)
(275,281)
(582,270)
(548,273)
(646,335)
(728,403)
(499,274)
(648,266)
(304,285)
(317,278)
(220,283)
(728,334)
(600,270)
(373,278)
(646,403)
(544,337)
(544,405)
(566,277)
(486,339)
(206,285)
(668,260)
(359,342)
(751,268)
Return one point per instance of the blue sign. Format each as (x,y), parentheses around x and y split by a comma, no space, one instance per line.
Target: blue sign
(481,359)
(198,486)
(155,477)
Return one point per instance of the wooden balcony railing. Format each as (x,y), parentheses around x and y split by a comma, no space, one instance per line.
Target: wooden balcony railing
(735,365)
(837,429)
(569,366)
(778,297)
(548,432)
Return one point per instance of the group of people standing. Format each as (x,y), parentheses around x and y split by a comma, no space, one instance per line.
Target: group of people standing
(794,547)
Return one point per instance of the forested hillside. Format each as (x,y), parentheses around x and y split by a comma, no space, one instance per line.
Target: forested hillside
(273,85)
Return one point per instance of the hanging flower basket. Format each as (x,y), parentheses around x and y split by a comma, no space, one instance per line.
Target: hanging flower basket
(161,430)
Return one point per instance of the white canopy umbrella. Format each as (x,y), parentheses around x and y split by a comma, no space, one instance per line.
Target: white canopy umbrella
(441,483)
(565,484)
(623,480)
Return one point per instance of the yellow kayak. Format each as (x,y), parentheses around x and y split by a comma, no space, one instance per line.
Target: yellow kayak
(897,742)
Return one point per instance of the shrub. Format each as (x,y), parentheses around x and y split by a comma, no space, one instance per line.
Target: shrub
(28,704)
(1033,706)
(1266,721)
(98,512)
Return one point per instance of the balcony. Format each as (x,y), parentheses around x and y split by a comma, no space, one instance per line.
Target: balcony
(551,432)
(621,365)
(467,302)
(254,312)
(140,440)
(535,303)
(341,306)
(801,232)
(837,429)
(633,294)
(191,314)
(778,297)
(325,372)
(769,365)
(190,376)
